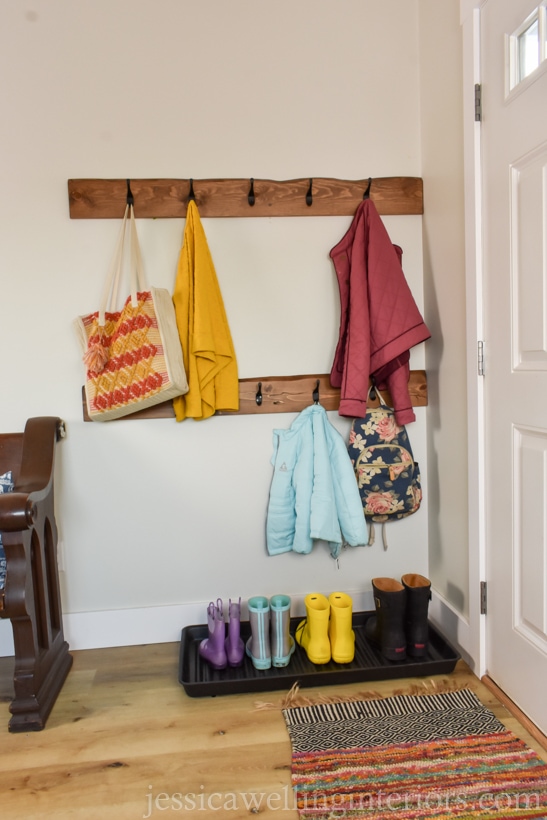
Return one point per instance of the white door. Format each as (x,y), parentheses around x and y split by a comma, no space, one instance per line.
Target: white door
(514,153)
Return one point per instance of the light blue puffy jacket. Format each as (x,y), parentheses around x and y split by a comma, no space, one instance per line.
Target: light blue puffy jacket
(314,494)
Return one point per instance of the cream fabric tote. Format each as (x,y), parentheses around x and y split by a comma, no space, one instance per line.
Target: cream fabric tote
(133,356)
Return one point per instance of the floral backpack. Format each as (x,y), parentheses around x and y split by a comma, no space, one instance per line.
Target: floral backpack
(387,475)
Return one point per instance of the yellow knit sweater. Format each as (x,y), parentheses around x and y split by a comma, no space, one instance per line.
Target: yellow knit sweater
(207,347)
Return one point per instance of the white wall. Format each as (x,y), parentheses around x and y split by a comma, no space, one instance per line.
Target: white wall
(444,288)
(151,513)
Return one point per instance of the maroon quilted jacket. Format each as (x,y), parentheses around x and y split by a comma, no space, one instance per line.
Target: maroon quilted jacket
(379,319)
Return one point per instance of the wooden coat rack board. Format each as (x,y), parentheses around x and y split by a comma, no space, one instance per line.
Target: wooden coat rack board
(168,198)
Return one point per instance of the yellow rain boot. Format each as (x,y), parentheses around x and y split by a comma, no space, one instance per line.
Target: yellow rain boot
(313,632)
(342,636)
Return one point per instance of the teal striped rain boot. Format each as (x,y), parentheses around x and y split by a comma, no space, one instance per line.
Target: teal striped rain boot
(281,640)
(258,645)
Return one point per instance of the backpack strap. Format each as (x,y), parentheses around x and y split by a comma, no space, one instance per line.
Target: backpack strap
(372,534)
(372,391)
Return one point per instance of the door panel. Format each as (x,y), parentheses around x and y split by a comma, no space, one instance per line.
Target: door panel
(529,581)
(528,272)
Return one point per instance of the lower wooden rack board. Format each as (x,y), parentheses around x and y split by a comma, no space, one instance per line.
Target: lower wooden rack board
(282,394)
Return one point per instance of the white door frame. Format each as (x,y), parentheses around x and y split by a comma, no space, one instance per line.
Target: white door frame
(476,628)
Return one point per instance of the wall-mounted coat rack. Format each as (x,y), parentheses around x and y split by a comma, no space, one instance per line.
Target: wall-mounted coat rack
(168,198)
(283,394)
(317,196)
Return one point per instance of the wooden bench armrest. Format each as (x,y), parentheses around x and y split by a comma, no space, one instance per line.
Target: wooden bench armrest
(31,594)
(36,474)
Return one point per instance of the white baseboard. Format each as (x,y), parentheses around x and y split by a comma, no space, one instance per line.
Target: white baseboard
(148,625)
(452,625)
(121,627)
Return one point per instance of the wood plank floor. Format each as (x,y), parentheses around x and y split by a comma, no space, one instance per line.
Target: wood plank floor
(124,741)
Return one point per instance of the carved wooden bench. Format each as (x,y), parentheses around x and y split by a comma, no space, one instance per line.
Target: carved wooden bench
(30,597)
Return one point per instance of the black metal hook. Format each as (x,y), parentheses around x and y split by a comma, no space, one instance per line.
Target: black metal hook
(316,393)
(191,194)
(309,195)
(251,194)
(366,195)
(130,199)
(258,397)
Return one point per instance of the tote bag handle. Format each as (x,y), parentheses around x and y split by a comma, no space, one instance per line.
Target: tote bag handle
(109,297)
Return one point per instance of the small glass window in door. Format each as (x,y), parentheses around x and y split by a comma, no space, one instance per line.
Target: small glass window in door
(528,46)
(528,50)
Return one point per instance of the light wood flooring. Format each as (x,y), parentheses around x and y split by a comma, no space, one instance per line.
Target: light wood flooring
(124,741)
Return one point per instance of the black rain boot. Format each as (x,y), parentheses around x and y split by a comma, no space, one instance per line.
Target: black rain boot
(418,595)
(386,629)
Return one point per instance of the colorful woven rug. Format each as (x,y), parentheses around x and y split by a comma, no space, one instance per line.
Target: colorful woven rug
(411,756)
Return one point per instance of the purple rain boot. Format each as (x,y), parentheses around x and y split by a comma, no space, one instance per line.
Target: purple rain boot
(235,648)
(212,648)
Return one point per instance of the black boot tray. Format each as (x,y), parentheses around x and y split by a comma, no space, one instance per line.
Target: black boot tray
(200,680)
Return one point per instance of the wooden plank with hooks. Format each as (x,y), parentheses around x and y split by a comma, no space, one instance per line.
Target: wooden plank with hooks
(168,198)
(282,394)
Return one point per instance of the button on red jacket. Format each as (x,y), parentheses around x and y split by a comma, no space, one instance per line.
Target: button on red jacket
(379,319)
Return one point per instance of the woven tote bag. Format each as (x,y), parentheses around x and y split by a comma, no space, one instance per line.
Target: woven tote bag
(133,356)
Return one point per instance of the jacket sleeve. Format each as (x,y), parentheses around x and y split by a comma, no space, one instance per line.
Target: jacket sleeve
(397,384)
(280,518)
(337,511)
(346,492)
(324,523)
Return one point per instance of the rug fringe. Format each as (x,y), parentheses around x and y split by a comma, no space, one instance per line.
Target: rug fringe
(294,697)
